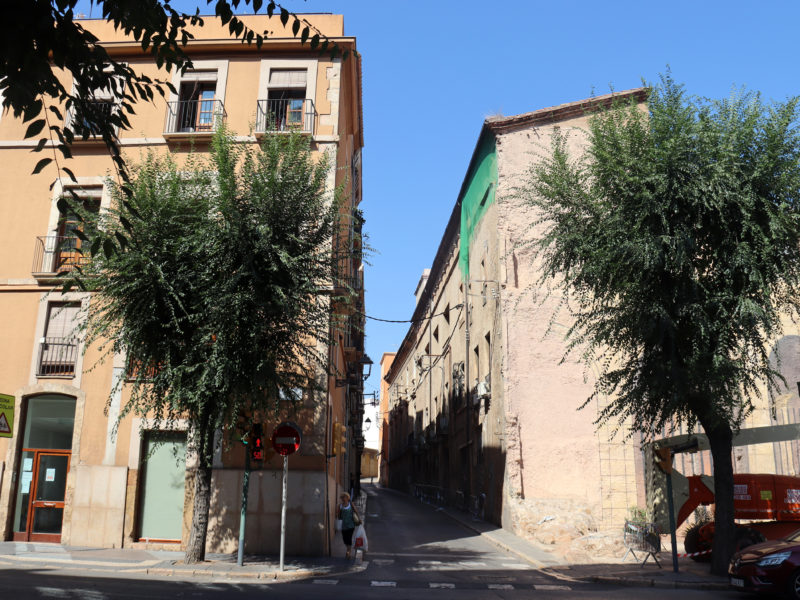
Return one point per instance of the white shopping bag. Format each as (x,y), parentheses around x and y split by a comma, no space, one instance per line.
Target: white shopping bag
(360,538)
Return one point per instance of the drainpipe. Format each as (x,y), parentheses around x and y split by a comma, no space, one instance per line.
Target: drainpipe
(430,379)
(467,395)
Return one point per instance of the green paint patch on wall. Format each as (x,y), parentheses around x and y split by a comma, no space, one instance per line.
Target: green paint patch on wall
(478,194)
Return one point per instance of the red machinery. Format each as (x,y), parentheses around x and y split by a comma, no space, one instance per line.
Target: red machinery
(756,497)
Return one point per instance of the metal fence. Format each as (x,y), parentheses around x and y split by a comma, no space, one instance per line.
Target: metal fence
(194,116)
(57,254)
(57,357)
(286,115)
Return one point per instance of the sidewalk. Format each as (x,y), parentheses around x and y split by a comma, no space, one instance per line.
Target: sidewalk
(128,561)
(691,575)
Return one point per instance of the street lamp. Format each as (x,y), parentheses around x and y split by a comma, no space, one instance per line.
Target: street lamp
(365,361)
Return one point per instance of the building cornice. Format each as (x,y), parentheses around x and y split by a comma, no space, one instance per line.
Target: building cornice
(562,112)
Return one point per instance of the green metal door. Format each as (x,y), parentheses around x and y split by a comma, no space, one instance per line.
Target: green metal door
(162,493)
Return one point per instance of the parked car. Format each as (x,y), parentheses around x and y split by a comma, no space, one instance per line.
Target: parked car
(772,566)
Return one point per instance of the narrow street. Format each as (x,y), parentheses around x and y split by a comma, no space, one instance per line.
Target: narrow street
(414,547)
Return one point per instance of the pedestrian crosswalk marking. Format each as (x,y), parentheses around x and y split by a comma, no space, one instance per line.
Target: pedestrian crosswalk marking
(552,588)
(444,586)
(49,592)
(384,584)
(383,562)
(472,563)
(326,581)
(516,566)
(501,586)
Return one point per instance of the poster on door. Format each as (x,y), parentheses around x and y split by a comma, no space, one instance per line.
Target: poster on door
(50,475)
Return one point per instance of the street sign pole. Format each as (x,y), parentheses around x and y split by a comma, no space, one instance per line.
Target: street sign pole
(283,505)
(286,440)
(243,516)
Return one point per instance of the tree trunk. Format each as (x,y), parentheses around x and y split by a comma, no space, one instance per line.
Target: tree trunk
(196,548)
(720,438)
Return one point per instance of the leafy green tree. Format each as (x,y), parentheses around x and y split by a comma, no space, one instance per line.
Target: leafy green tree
(40,38)
(218,294)
(675,240)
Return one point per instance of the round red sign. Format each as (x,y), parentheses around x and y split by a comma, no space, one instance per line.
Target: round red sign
(286,438)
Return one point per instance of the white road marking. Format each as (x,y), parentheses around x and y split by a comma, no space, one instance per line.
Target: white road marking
(429,562)
(547,587)
(516,566)
(382,562)
(384,584)
(49,592)
(91,594)
(472,563)
(326,581)
(501,586)
(444,586)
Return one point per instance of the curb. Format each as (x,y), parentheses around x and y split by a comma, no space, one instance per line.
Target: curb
(654,583)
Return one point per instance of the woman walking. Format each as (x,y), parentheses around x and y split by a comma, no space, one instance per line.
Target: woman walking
(350,518)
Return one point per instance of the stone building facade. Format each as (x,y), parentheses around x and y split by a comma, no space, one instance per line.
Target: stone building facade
(70,473)
(483,412)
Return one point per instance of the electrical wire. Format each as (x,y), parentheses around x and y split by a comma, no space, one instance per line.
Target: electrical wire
(409,320)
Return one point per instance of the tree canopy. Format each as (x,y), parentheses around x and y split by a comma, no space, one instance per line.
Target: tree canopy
(675,239)
(220,293)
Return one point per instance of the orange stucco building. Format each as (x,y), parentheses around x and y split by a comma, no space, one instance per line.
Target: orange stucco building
(70,473)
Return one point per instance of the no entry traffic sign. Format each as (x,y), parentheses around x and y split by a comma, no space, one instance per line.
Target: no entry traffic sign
(286,438)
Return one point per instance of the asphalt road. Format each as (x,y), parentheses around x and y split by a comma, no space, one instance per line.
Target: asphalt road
(414,550)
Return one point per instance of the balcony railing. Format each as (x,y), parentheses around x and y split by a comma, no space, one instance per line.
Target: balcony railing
(57,357)
(57,254)
(95,112)
(285,115)
(194,116)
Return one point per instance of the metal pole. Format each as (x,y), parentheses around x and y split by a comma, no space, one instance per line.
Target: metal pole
(672,537)
(283,506)
(243,515)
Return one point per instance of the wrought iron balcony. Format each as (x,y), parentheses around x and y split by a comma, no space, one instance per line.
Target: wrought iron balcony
(55,254)
(285,115)
(194,116)
(57,357)
(95,112)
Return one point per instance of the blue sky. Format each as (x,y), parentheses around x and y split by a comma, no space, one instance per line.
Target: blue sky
(432,71)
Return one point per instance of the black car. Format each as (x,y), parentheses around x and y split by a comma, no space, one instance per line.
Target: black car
(772,566)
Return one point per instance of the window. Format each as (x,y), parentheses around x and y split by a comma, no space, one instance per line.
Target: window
(61,251)
(446,314)
(287,92)
(98,106)
(58,349)
(198,106)
(196,100)
(286,95)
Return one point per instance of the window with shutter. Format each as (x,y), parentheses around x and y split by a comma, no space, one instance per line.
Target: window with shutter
(58,349)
